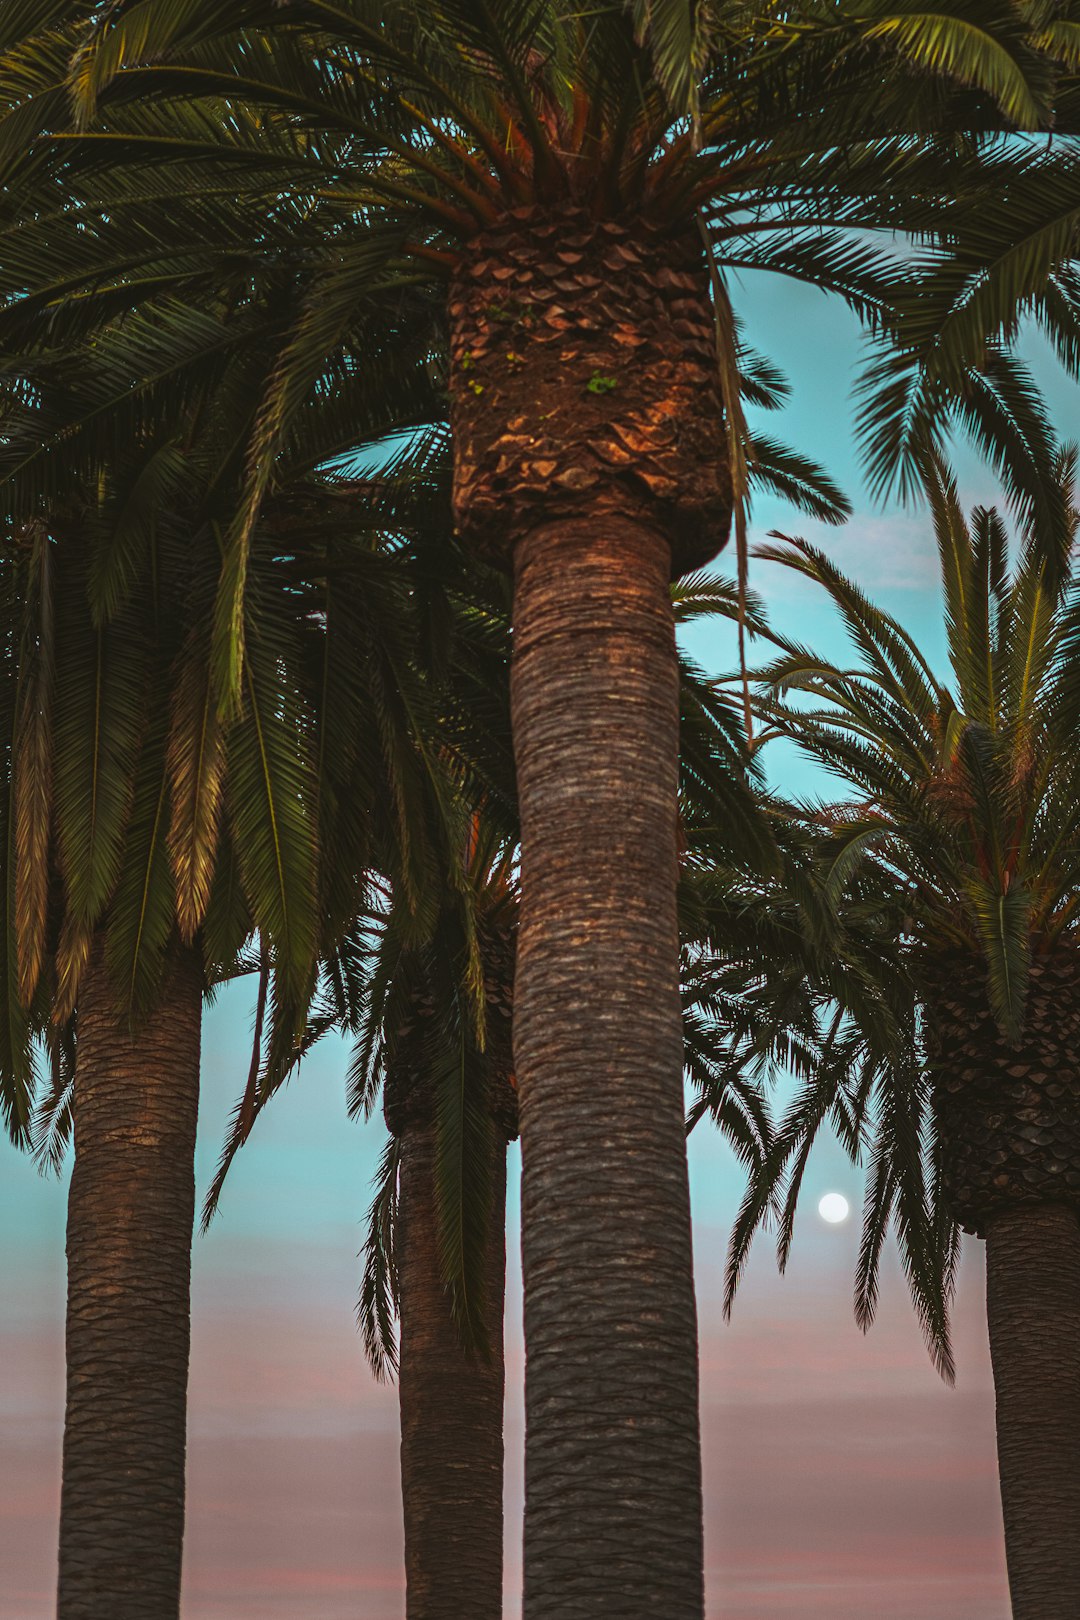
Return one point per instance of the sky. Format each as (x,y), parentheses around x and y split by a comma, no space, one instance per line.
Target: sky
(842,1478)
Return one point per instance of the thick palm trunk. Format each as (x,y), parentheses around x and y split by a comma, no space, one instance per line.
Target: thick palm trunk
(589,456)
(130,1215)
(451,1407)
(613,1522)
(1010,1134)
(1033,1314)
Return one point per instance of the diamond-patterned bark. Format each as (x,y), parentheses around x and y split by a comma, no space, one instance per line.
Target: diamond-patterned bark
(584,378)
(1008,1116)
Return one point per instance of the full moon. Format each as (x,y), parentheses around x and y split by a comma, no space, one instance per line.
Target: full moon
(834,1208)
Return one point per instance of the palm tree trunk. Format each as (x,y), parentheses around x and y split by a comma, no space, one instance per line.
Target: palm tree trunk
(1033,1314)
(613,1517)
(130,1216)
(451,1408)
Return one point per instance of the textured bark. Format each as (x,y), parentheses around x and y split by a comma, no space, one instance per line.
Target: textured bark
(613,1522)
(1008,1116)
(130,1215)
(451,1408)
(1033,1312)
(451,1398)
(584,378)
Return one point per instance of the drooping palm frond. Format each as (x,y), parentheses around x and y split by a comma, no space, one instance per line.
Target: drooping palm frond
(958,830)
(169,814)
(955,777)
(378,1304)
(357,150)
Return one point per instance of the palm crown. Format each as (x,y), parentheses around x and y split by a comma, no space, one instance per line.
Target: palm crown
(135,804)
(966,790)
(952,863)
(566,197)
(373,149)
(953,868)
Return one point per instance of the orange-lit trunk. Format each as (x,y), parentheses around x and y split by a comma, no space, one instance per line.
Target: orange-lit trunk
(612,1469)
(590,459)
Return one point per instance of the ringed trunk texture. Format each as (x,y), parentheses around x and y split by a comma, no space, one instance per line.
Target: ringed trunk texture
(613,1517)
(590,458)
(130,1215)
(451,1407)
(1008,1116)
(1033,1314)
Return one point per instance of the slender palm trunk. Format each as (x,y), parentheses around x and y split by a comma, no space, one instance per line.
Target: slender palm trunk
(613,1517)
(1033,1314)
(451,1408)
(130,1215)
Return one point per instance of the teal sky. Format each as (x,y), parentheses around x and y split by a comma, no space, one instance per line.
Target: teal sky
(842,1478)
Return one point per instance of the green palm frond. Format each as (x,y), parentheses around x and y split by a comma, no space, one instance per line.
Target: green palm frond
(32,767)
(269,802)
(196,766)
(958,832)
(100,705)
(360,149)
(378,1305)
(979,44)
(142,916)
(53,1117)
(796,479)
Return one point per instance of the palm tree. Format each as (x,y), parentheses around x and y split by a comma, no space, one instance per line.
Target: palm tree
(450,1105)
(580,186)
(110,398)
(435,1252)
(960,842)
(423,983)
(806,974)
(99,951)
(436,1256)
(150,837)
